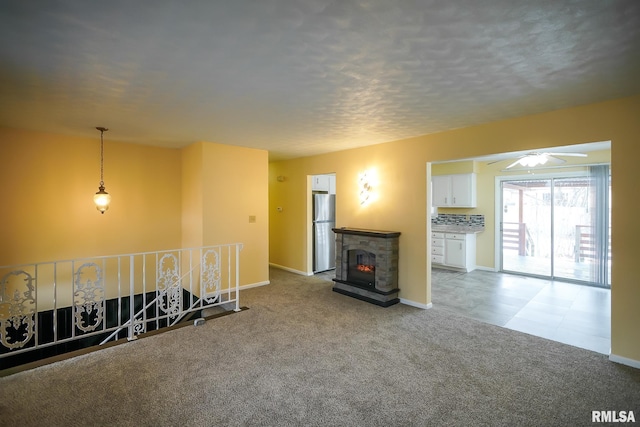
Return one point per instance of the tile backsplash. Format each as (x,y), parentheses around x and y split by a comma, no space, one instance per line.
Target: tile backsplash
(458,219)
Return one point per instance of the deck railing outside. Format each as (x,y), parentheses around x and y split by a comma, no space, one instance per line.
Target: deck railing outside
(112,297)
(585,246)
(516,236)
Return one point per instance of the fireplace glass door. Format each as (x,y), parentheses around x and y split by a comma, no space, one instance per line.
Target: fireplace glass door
(361,267)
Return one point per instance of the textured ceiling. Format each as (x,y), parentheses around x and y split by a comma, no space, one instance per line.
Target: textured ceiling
(304,77)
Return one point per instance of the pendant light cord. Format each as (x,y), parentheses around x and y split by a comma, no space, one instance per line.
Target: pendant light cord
(101,158)
(102,131)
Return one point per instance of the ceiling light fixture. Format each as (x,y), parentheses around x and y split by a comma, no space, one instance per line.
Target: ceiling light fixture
(102,198)
(533,160)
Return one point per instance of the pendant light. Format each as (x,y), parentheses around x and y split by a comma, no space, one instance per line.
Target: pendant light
(102,198)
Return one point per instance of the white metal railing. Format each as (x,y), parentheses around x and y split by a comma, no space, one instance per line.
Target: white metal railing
(112,297)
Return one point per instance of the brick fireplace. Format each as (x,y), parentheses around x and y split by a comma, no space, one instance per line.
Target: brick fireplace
(367,265)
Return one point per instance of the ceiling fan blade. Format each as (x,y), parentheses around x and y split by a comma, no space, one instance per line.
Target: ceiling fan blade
(495,161)
(555,159)
(567,154)
(513,164)
(504,160)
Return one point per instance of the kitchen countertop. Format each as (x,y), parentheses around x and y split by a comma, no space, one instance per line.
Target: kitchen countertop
(466,229)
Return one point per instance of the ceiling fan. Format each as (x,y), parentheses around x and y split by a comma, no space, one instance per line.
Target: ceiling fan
(537,158)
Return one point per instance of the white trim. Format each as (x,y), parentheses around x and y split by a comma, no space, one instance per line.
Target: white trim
(282,267)
(497,220)
(549,175)
(254,285)
(416,304)
(483,268)
(571,165)
(624,361)
(428,282)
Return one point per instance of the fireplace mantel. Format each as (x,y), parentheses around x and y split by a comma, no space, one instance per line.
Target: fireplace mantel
(383,246)
(364,232)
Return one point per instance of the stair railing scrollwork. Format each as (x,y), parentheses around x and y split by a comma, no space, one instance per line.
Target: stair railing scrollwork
(169,288)
(211,275)
(17,309)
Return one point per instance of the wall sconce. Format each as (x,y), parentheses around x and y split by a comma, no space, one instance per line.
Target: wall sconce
(364,182)
(102,198)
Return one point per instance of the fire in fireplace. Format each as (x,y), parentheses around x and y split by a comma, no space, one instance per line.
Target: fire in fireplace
(361,267)
(366,268)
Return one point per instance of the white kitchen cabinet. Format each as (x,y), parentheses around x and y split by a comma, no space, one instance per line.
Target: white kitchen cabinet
(457,250)
(437,248)
(463,190)
(321,183)
(441,190)
(454,191)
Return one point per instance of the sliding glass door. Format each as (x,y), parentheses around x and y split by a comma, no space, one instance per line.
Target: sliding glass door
(558,227)
(526,226)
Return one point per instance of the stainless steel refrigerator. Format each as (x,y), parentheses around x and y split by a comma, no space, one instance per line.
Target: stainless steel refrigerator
(324,240)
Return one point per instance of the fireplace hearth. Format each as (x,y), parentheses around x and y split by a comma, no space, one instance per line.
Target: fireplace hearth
(367,265)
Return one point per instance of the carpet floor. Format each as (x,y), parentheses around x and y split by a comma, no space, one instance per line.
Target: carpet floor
(304,355)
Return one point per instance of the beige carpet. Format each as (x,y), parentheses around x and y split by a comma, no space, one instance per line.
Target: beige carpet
(304,355)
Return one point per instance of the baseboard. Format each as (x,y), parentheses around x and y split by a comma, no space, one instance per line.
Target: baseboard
(483,268)
(254,285)
(291,270)
(624,361)
(462,270)
(415,304)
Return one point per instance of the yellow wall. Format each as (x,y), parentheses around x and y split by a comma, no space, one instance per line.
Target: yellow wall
(161,199)
(192,195)
(47,183)
(465,166)
(235,187)
(298,210)
(401,206)
(223,186)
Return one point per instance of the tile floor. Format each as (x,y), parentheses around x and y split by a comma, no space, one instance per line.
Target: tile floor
(573,314)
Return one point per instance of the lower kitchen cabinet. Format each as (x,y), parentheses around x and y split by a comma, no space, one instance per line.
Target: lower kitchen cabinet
(456,250)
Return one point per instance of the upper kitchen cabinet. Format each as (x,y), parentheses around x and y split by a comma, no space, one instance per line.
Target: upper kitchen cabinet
(454,191)
(320,183)
(324,183)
